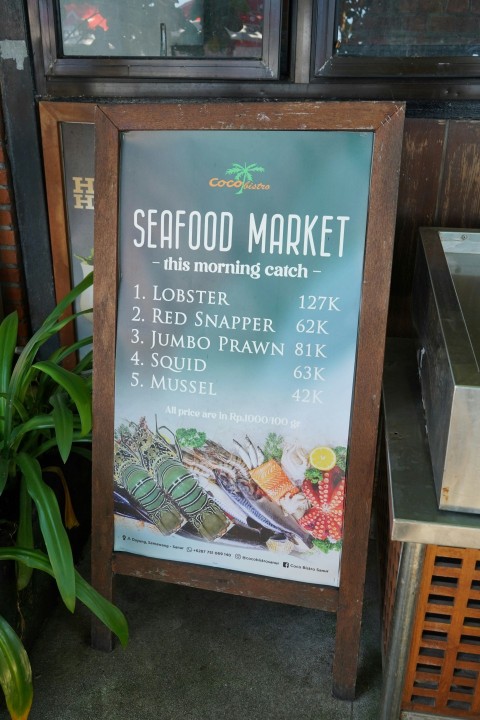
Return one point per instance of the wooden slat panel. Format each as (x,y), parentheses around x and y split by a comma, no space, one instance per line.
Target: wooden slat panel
(433,662)
(455,695)
(417,201)
(459,192)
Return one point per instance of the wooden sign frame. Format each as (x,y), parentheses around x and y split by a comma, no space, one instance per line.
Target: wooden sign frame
(52,116)
(385,121)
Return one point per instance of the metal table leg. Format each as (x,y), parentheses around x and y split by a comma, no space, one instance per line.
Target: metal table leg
(408,583)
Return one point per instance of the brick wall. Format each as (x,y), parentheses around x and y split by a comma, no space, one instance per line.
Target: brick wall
(11,278)
(409,23)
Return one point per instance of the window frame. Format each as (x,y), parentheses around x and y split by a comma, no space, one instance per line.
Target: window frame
(306,68)
(53,69)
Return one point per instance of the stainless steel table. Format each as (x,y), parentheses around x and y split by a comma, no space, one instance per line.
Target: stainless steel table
(415,519)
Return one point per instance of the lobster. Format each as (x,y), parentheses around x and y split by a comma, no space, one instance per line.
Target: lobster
(150,469)
(142,487)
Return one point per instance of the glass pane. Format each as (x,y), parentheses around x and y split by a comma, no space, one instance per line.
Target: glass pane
(408,28)
(162,28)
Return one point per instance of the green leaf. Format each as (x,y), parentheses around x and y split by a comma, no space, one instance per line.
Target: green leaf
(63,420)
(108,613)
(72,295)
(47,328)
(85,364)
(82,451)
(3,473)
(52,443)
(51,525)
(59,355)
(15,673)
(20,409)
(24,534)
(50,326)
(8,340)
(39,422)
(75,387)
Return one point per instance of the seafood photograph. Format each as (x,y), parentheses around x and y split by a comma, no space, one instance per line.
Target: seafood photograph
(277,497)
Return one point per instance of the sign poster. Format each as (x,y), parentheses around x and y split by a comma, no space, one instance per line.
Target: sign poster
(78,143)
(240,262)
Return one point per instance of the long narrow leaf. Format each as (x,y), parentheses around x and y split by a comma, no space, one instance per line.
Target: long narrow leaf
(15,673)
(63,419)
(72,295)
(3,473)
(85,364)
(53,318)
(17,406)
(69,516)
(82,451)
(108,613)
(54,534)
(47,445)
(24,534)
(54,328)
(39,422)
(49,328)
(64,352)
(75,387)
(21,378)
(8,340)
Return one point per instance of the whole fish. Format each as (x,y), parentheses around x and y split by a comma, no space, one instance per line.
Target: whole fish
(263,514)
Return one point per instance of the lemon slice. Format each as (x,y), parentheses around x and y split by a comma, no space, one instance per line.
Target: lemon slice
(322,458)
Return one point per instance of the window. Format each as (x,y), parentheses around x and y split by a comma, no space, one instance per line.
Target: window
(162,28)
(407,28)
(398,38)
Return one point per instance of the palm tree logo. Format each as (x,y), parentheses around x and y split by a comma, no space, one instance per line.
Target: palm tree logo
(244,173)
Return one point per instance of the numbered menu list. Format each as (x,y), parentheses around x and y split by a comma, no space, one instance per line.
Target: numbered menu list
(179,338)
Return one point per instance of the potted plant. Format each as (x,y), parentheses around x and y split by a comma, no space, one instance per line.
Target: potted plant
(43,406)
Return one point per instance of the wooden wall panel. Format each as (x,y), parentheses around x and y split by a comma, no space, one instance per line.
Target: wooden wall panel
(459,191)
(439,187)
(420,176)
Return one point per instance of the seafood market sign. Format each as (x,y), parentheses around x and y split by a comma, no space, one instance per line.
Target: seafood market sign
(239,297)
